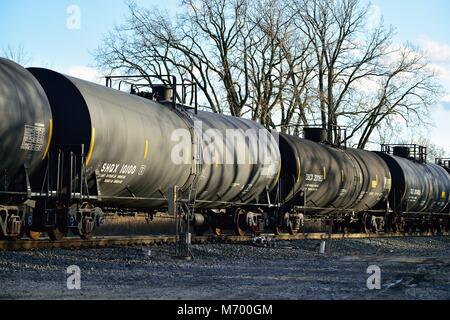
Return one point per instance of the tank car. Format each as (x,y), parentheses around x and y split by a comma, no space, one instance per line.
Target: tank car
(134,149)
(419,189)
(71,149)
(25,135)
(317,178)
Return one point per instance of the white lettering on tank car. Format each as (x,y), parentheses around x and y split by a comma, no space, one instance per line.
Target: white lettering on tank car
(314,177)
(142,170)
(116,173)
(128,169)
(109,168)
(33,137)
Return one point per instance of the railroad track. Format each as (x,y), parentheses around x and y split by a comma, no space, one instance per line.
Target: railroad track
(111,241)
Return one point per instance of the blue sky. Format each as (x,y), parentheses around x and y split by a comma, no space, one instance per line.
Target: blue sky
(40,26)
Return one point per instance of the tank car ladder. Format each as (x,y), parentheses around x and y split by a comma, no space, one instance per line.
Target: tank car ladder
(185,196)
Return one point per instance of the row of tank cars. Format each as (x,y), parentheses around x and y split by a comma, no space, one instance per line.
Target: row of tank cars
(72,150)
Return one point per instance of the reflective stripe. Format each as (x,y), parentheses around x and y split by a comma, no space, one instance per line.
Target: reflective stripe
(298,169)
(50,133)
(91,148)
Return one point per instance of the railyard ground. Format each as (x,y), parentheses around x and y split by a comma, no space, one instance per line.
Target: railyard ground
(411,268)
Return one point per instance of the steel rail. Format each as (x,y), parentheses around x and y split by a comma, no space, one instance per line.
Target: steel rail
(111,241)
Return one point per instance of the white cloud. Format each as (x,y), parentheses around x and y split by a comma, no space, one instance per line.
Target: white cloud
(86,73)
(374,16)
(446,98)
(440,133)
(439,55)
(438,52)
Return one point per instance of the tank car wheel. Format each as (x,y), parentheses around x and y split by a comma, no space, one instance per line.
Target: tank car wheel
(18,236)
(217,231)
(83,234)
(366,223)
(15,238)
(239,220)
(277,230)
(293,228)
(56,234)
(33,235)
(87,236)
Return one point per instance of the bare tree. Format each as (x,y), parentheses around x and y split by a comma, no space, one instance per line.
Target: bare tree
(278,67)
(17,54)
(202,44)
(350,56)
(404,93)
(245,56)
(283,63)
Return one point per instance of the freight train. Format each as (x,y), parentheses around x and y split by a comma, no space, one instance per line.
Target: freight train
(71,150)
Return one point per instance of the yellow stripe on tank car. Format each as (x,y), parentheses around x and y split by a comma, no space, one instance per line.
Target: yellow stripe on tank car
(375,182)
(50,134)
(146,150)
(279,172)
(443,195)
(91,148)
(298,169)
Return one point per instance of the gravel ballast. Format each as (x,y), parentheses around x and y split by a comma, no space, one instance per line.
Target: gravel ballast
(411,268)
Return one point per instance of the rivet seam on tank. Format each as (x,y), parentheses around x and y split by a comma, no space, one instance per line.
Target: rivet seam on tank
(298,169)
(146,150)
(50,134)
(91,148)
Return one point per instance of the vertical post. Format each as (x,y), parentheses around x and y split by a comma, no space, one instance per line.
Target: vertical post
(196,98)
(49,157)
(177,206)
(173,211)
(330,232)
(58,172)
(82,171)
(174,92)
(71,177)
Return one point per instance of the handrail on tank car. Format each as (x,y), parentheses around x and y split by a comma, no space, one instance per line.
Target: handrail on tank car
(337,134)
(415,152)
(172,82)
(444,162)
